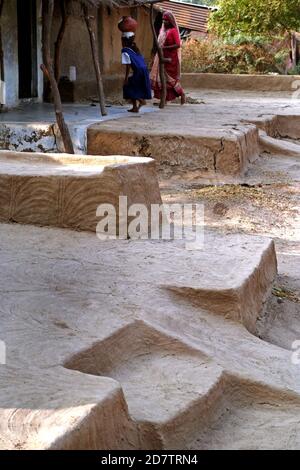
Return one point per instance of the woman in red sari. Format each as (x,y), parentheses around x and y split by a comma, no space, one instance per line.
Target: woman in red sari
(169,41)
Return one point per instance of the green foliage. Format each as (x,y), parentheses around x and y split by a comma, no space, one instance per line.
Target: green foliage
(237,56)
(242,39)
(200,2)
(255,17)
(209,3)
(295,70)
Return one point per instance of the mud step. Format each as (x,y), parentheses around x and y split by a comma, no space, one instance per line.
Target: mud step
(277,146)
(166,383)
(64,191)
(182,399)
(95,307)
(250,416)
(176,141)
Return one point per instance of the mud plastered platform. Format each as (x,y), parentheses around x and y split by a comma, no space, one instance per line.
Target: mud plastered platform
(130,344)
(65,191)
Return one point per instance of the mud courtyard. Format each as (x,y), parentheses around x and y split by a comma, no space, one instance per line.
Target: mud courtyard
(142,344)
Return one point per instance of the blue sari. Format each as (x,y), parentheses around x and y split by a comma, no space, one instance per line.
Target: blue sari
(138,86)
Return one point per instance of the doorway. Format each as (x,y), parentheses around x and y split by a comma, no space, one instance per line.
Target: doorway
(27,48)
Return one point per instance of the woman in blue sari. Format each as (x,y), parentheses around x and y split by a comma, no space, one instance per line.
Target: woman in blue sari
(137,87)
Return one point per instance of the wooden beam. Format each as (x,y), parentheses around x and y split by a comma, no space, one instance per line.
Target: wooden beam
(91,25)
(47,68)
(161,62)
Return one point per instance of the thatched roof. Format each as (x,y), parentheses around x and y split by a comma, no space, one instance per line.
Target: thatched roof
(71,4)
(97,3)
(129,3)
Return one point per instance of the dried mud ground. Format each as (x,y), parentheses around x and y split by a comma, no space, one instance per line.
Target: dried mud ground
(265,202)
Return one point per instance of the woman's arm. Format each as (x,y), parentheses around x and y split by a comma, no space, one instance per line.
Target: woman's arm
(127,71)
(127,62)
(173,46)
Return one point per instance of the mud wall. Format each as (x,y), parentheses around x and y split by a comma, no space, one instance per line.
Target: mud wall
(110,37)
(220,81)
(76,49)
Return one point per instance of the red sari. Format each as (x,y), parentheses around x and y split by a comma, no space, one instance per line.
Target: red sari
(168,37)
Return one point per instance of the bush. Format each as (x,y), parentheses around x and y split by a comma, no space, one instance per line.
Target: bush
(295,70)
(236,55)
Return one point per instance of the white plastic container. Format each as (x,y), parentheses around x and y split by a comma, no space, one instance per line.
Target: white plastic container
(72,73)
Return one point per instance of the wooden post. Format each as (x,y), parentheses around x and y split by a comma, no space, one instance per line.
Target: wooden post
(47,68)
(58,44)
(91,24)
(161,62)
(1,45)
(294,49)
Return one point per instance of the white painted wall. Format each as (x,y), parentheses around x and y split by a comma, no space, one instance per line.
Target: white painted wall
(10,46)
(10,49)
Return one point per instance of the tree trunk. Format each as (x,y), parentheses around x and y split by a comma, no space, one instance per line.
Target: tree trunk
(2,77)
(47,68)
(161,62)
(294,49)
(92,28)
(58,45)
(1,45)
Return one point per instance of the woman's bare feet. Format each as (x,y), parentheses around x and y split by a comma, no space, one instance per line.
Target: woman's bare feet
(142,103)
(158,103)
(135,108)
